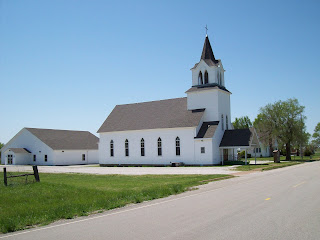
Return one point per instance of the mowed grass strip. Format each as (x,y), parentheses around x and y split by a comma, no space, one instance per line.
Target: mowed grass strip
(314,157)
(65,196)
(266,166)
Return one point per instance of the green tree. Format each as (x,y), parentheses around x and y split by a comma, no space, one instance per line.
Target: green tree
(316,135)
(284,121)
(242,122)
(264,128)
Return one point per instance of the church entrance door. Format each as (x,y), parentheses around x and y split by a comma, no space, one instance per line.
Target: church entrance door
(225,154)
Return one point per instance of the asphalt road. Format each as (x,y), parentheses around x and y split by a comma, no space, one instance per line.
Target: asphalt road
(279,204)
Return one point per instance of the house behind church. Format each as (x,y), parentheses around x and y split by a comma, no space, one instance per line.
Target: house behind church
(195,130)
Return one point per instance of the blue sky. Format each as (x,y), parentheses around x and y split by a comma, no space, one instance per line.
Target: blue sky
(66,64)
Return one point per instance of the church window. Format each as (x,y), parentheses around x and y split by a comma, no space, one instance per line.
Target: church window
(34,158)
(111,149)
(142,147)
(46,158)
(222,124)
(177,146)
(83,157)
(159,147)
(203,150)
(200,80)
(206,78)
(126,146)
(227,126)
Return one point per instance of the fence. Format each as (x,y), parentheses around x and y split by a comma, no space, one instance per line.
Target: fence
(35,174)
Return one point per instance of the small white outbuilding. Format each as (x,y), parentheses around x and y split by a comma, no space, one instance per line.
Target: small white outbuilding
(51,147)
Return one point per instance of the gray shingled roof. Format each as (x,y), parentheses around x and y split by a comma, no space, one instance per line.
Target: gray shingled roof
(170,113)
(19,150)
(207,129)
(66,139)
(206,87)
(236,138)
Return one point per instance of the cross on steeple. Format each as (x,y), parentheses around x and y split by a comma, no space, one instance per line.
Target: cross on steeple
(206,30)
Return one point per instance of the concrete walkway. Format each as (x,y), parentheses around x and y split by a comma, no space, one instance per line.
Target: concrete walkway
(95,169)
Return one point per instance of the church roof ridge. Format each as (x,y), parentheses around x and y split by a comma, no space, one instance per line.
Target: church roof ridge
(168,99)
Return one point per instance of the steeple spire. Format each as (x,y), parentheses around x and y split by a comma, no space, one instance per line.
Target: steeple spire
(207,52)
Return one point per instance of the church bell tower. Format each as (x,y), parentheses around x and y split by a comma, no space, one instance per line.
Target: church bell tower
(208,89)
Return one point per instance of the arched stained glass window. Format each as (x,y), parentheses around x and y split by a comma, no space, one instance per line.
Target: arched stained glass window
(177,146)
(159,147)
(222,123)
(142,146)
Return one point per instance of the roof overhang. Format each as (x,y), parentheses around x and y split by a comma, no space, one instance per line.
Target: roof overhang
(239,138)
(18,150)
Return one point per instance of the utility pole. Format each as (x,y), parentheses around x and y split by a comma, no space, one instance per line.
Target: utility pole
(301,153)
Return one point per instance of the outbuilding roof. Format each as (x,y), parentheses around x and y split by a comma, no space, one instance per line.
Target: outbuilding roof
(19,150)
(170,113)
(66,139)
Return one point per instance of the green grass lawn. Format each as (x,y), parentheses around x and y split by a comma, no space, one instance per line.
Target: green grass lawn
(266,166)
(316,156)
(64,196)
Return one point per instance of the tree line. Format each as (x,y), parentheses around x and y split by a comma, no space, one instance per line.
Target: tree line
(282,123)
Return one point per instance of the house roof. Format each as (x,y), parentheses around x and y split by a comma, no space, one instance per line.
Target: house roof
(66,139)
(206,87)
(207,129)
(170,113)
(19,150)
(236,138)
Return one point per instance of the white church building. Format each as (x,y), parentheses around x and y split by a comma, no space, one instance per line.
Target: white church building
(195,130)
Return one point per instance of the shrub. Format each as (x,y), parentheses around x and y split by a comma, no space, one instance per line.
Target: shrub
(241,154)
(307,152)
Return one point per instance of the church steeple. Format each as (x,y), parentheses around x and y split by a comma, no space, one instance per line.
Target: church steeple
(209,70)
(207,52)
